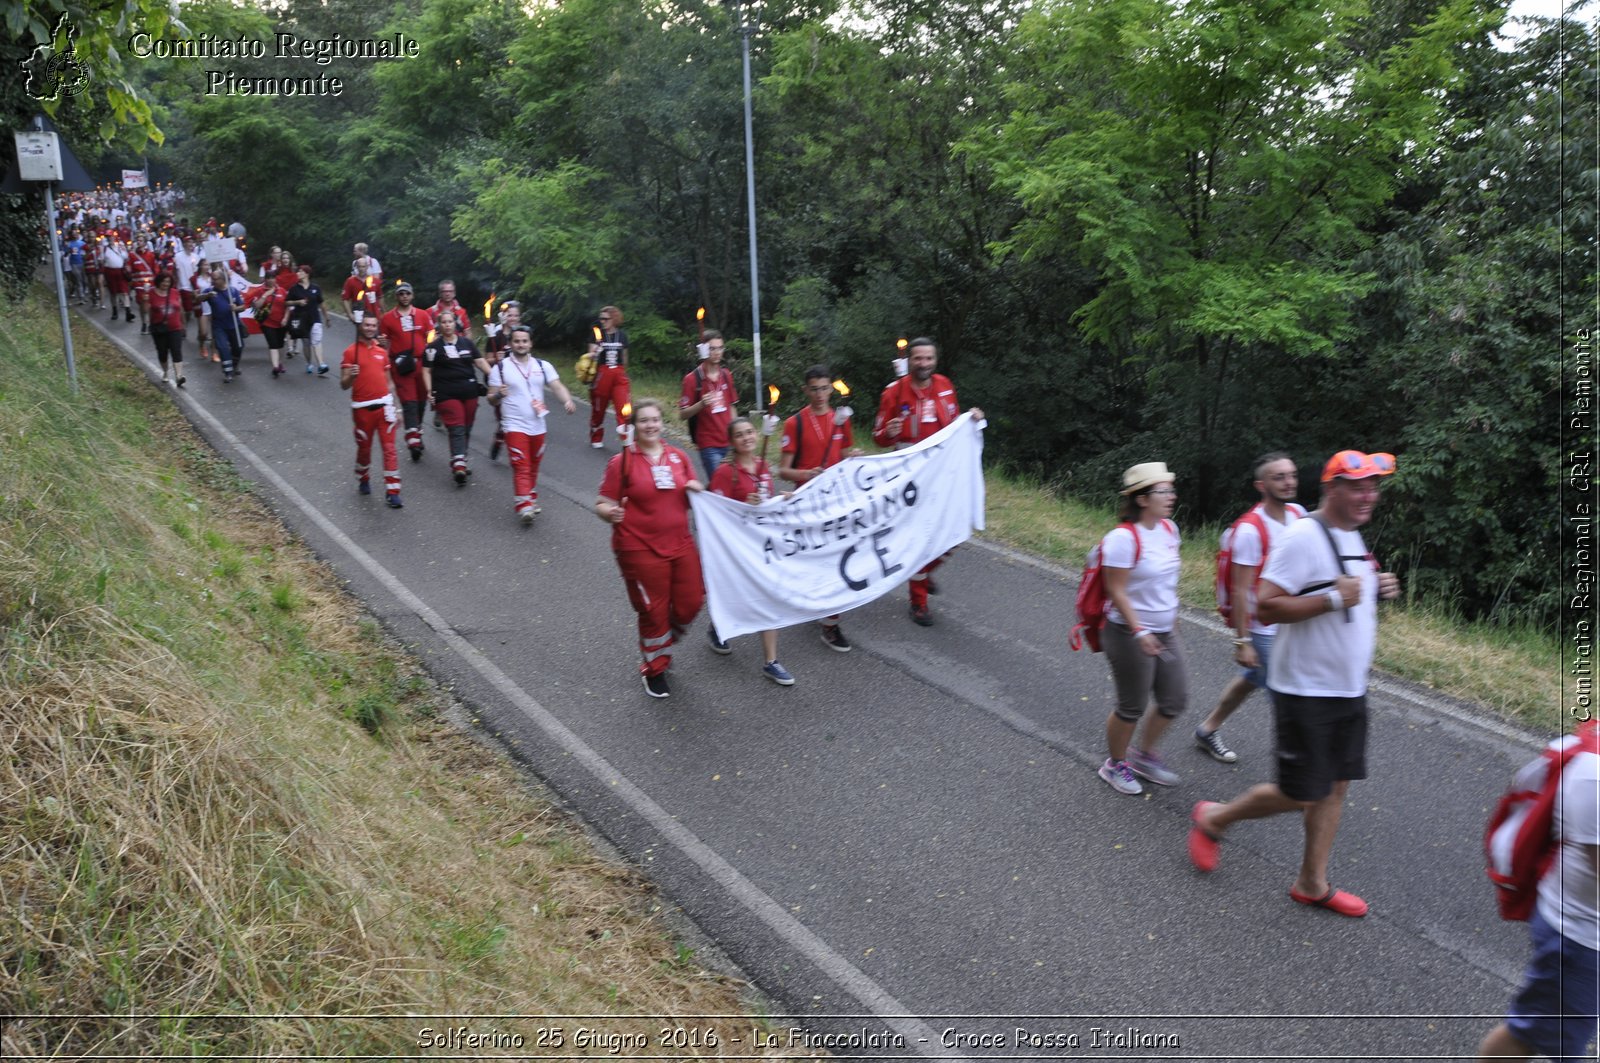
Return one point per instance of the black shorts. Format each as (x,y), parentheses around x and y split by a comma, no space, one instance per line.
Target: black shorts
(274,336)
(1320,741)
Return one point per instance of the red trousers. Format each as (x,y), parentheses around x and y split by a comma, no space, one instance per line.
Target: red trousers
(919,582)
(525,452)
(457,416)
(611,388)
(667,593)
(370,423)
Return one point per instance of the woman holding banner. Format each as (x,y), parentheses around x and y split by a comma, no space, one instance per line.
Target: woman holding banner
(645,498)
(746,477)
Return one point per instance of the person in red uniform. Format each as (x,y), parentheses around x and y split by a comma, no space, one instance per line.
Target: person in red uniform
(610,387)
(707,402)
(746,477)
(913,408)
(645,499)
(817,438)
(361,291)
(142,278)
(448,301)
(272,314)
(367,374)
(114,262)
(166,326)
(406,328)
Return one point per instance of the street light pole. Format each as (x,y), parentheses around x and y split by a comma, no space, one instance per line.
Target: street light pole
(746,29)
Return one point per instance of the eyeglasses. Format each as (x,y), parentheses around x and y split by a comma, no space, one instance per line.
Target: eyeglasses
(714,350)
(1163,491)
(1354,465)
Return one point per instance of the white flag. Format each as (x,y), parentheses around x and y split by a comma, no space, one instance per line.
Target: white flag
(135,179)
(844,539)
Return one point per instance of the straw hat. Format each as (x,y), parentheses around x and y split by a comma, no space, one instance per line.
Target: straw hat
(1146,474)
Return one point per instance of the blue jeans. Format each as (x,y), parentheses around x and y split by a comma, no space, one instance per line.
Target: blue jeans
(712,457)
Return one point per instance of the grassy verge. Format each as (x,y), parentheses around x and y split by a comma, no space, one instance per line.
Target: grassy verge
(1513,671)
(227,794)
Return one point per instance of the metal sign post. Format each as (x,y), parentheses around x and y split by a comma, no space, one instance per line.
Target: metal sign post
(39,159)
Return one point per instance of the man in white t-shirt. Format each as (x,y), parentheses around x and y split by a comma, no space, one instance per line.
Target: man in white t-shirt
(1248,542)
(1554,1011)
(1323,586)
(517,385)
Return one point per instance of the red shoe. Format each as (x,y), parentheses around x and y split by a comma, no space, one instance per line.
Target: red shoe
(1205,851)
(1346,904)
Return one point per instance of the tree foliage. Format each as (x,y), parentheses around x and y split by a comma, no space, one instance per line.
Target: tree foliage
(1139,229)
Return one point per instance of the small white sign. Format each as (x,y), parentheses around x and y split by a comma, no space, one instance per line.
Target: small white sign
(38,156)
(221,249)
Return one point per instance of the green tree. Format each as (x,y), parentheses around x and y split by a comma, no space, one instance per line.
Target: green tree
(1215,165)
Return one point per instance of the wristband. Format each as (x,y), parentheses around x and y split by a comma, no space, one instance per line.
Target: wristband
(1335,600)
(1136,632)
(1241,642)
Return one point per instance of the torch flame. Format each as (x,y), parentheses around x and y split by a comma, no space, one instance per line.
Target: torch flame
(597,336)
(841,387)
(488,306)
(901,343)
(627,410)
(700,314)
(772,395)
(433,334)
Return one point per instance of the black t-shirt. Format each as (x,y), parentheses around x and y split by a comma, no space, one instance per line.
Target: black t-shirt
(611,348)
(303,317)
(454,376)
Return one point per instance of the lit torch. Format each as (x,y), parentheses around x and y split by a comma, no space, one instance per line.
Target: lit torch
(901,365)
(625,427)
(700,319)
(489,327)
(841,417)
(769,423)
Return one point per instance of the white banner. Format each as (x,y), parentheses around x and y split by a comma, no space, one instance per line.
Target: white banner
(135,179)
(853,534)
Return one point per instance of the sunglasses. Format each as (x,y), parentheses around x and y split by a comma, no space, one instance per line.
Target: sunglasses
(1354,465)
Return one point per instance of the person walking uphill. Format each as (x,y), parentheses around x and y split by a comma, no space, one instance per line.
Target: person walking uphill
(406,329)
(450,365)
(610,387)
(707,403)
(1321,587)
(517,386)
(645,499)
(366,373)
(1140,562)
(910,410)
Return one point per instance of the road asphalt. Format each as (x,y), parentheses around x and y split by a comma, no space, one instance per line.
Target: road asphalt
(909,851)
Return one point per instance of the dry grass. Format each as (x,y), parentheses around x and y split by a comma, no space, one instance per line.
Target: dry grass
(224,793)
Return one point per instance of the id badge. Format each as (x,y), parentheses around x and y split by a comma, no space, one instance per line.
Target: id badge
(407,323)
(662,474)
(450,351)
(928,414)
(540,408)
(717,403)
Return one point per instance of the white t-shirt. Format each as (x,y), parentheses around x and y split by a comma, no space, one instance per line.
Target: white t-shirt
(1326,656)
(1245,543)
(524,384)
(1569,895)
(1153,583)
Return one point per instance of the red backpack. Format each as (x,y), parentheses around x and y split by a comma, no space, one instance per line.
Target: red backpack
(1092,593)
(1518,841)
(1224,580)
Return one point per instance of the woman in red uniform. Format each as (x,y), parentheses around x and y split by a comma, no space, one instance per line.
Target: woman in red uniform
(746,477)
(645,499)
(166,326)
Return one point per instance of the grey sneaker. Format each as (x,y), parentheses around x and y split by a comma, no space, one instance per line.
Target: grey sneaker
(718,645)
(1151,766)
(1120,778)
(777,673)
(1212,743)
